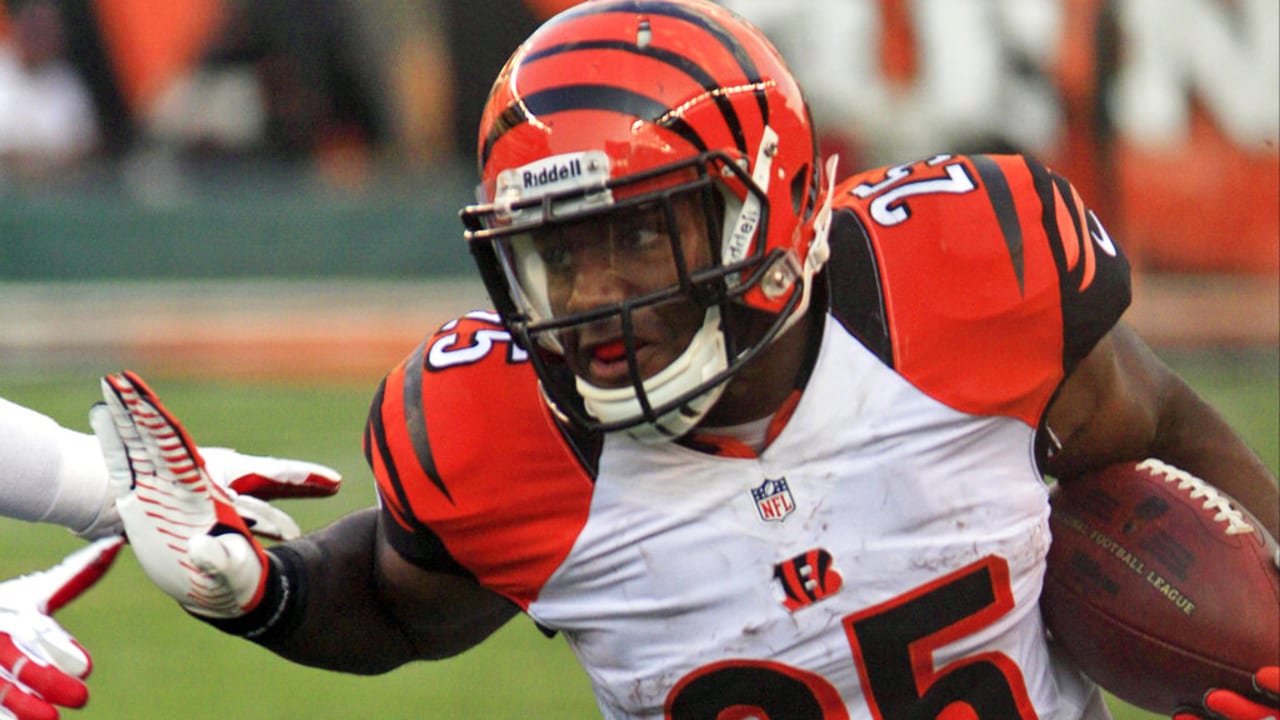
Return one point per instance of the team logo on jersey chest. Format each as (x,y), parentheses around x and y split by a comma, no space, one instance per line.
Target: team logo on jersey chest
(807,578)
(773,500)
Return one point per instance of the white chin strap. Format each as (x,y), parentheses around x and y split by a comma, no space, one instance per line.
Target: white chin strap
(703,358)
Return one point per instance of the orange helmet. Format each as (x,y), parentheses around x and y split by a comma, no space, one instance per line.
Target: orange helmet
(615,105)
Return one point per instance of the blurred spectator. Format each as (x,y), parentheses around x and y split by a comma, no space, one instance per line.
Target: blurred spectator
(407,39)
(284,79)
(47,117)
(481,35)
(1156,109)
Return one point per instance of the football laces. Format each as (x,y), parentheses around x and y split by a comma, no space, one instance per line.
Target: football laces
(1213,500)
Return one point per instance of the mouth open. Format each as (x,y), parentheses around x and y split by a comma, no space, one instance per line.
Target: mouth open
(609,364)
(611,351)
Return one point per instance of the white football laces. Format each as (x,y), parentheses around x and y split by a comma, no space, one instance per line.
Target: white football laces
(1213,500)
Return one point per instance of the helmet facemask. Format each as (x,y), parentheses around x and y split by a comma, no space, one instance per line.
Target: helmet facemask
(604,356)
(652,107)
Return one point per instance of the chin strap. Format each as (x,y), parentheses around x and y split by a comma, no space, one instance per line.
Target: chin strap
(703,359)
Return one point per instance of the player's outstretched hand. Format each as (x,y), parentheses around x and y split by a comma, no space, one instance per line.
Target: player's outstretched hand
(41,666)
(185,529)
(1218,704)
(249,480)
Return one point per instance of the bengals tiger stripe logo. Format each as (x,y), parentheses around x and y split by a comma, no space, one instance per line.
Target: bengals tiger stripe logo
(807,578)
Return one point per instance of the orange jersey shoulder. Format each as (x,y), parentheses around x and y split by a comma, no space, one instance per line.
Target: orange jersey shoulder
(473,473)
(981,279)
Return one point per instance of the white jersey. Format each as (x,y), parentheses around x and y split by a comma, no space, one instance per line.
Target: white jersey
(881,558)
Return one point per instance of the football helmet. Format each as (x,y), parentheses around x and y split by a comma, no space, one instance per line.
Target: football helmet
(671,115)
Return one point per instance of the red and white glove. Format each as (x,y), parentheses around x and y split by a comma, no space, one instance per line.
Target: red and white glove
(1219,704)
(248,480)
(185,529)
(41,665)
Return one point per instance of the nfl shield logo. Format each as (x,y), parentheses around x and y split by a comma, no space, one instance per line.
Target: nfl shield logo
(773,500)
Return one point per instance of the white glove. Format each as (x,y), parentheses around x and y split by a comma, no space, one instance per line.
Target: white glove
(184,528)
(41,665)
(248,481)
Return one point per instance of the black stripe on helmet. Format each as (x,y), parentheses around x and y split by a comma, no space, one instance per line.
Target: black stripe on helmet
(516,115)
(589,97)
(717,31)
(697,73)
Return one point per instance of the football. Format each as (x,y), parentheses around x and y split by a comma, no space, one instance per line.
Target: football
(1159,586)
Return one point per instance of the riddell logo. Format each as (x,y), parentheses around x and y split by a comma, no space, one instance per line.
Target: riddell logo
(555,173)
(807,579)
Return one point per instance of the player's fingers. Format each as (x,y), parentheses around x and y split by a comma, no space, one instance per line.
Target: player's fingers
(78,572)
(15,704)
(118,396)
(180,486)
(275,479)
(51,684)
(1267,682)
(170,423)
(1236,707)
(266,520)
(102,420)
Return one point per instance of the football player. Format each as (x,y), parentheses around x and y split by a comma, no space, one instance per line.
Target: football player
(52,474)
(755,441)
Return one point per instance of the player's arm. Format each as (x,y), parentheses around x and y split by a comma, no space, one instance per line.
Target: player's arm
(339,599)
(357,606)
(1122,403)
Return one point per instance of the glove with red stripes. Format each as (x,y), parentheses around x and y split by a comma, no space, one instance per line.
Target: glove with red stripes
(41,665)
(185,529)
(248,480)
(1219,704)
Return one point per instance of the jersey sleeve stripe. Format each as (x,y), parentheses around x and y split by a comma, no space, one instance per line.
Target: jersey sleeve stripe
(997,187)
(1062,219)
(1080,219)
(375,439)
(416,420)
(1073,230)
(411,538)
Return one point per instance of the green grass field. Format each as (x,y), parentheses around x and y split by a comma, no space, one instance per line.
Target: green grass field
(152,661)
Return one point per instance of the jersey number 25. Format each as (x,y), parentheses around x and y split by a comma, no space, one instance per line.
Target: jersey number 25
(892,646)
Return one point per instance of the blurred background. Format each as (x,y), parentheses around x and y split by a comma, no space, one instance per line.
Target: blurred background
(193,149)
(254,203)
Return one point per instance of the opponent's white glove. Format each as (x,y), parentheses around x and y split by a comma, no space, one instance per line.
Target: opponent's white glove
(41,665)
(185,529)
(248,480)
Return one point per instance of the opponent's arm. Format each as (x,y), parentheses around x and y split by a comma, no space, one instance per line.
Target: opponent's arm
(49,473)
(1122,403)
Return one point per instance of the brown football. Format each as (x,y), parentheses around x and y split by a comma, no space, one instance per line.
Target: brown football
(1159,586)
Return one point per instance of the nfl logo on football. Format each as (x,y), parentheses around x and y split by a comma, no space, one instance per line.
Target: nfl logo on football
(773,500)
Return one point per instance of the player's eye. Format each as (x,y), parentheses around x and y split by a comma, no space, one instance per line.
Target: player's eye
(640,232)
(556,257)
(640,239)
